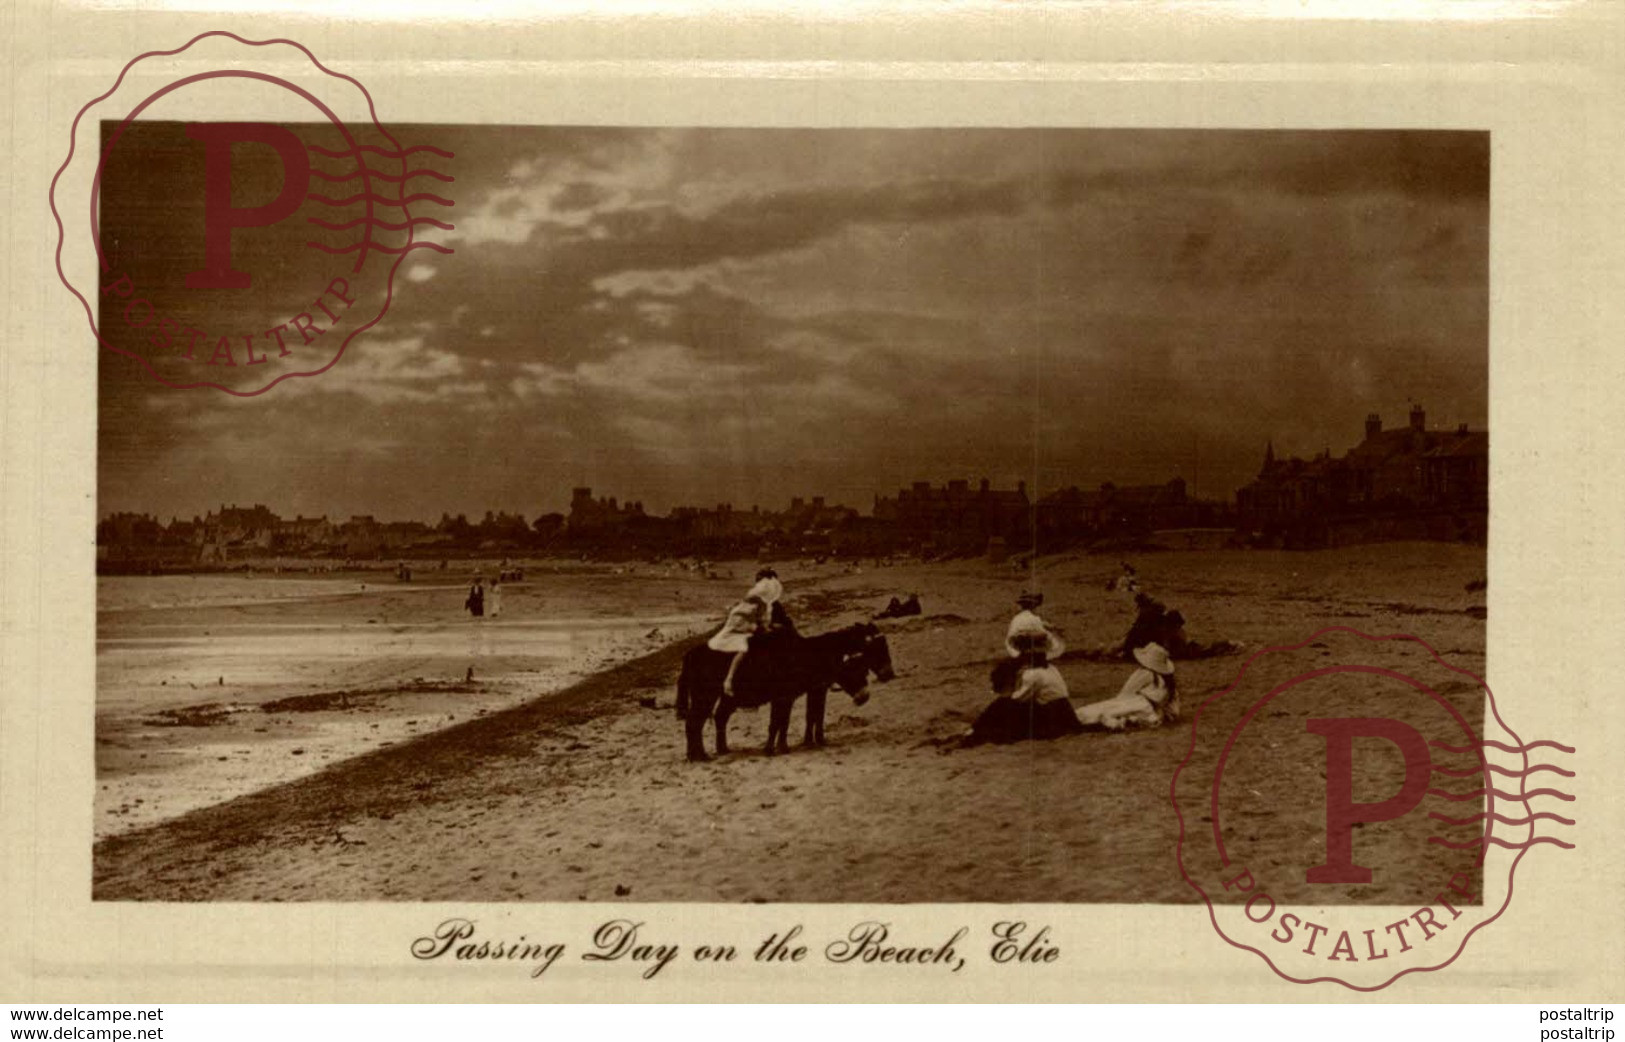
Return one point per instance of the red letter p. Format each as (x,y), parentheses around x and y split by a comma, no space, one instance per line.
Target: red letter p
(1342,813)
(220,217)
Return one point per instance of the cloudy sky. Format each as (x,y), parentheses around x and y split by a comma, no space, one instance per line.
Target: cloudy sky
(691,316)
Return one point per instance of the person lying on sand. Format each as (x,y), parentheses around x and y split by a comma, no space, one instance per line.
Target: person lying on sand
(1150,697)
(896,609)
(1153,624)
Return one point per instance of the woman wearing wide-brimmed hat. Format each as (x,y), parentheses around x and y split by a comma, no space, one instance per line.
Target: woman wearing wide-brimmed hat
(1150,697)
(1032,698)
(1029,628)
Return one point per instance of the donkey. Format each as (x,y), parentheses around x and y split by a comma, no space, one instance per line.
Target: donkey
(874,658)
(777,672)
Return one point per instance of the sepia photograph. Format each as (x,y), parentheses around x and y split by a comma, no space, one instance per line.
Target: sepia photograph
(769,515)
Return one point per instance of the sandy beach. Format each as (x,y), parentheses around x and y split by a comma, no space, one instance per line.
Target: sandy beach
(558,774)
(216,685)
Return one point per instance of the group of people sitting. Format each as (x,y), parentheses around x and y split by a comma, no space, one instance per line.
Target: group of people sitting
(1032,700)
(900,609)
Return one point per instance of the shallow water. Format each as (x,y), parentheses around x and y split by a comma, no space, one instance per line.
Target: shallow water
(185,664)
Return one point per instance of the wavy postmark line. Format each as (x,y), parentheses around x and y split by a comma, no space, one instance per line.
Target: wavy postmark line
(375,223)
(369,172)
(1543,815)
(1498,841)
(381,249)
(399,153)
(73,144)
(1214,814)
(1510,797)
(1492,743)
(1190,752)
(1468,772)
(373,197)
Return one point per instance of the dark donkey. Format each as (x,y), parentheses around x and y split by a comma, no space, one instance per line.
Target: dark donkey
(873,658)
(776,672)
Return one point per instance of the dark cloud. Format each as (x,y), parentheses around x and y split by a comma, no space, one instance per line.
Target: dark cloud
(745,315)
(1423,164)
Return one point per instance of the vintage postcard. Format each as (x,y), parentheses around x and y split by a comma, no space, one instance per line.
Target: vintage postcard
(1006,504)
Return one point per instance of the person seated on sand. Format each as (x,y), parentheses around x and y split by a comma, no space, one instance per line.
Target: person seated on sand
(759,613)
(1032,698)
(1028,623)
(898,609)
(1150,625)
(1150,697)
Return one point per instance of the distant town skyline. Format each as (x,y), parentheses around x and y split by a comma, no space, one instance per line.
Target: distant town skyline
(699,316)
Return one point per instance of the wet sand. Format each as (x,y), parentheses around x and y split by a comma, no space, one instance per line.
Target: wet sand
(213,686)
(582,793)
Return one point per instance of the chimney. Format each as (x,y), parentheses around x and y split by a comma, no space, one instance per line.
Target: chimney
(1418,418)
(1373,425)
(1461,428)
(1021,489)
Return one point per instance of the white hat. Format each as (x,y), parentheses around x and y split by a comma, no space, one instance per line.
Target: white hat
(1027,632)
(769,589)
(1155,657)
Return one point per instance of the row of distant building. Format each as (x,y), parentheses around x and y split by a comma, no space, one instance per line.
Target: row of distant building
(1404,482)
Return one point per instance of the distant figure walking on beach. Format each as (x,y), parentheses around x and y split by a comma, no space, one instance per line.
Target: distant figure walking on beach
(1032,698)
(1150,697)
(759,612)
(476,598)
(493,599)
